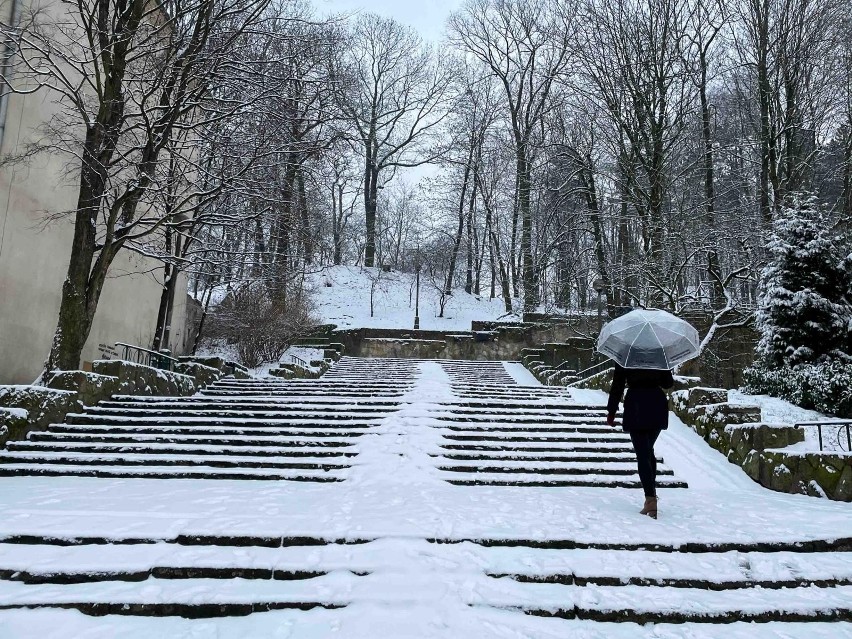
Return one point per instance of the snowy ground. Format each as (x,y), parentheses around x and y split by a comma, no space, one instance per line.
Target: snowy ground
(341,295)
(395,496)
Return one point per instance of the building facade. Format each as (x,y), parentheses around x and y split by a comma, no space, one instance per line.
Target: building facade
(34,254)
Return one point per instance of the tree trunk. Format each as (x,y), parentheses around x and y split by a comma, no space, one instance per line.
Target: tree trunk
(371,198)
(709,179)
(468,284)
(80,294)
(524,180)
(167,297)
(587,177)
(451,270)
(307,235)
(847,175)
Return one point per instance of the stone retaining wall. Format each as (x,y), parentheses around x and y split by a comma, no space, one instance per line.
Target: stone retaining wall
(736,431)
(30,408)
(488,341)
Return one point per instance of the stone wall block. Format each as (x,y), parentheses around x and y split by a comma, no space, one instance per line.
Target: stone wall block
(701,396)
(90,387)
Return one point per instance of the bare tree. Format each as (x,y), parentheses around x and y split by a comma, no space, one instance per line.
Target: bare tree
(392,89)
(525,45)
(128,74)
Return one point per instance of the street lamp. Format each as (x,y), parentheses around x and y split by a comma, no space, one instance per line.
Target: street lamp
(600,286)
(417,295)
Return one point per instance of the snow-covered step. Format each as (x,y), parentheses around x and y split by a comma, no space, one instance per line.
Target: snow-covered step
(663,604)
(238,404)
(242,413)
(70,458)
(167,472)
(44,563)
(268,394)
(540,467)
(331,439)
(530,447)
(539,480)
(519,456)
(154,447)
(295,420)
(502,427)
(310,429)
(545,424)
(532,437)
(530,405)
(169,597)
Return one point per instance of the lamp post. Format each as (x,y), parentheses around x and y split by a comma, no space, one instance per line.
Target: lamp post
(600,286)
(417,295)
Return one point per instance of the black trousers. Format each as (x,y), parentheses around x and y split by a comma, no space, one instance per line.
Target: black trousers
(643,444)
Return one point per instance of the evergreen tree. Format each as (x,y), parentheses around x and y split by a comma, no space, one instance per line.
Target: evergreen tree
(805,304)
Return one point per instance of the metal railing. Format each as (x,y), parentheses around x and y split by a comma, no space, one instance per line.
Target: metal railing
(593,370)
(840,423)
(146,357)
(298,361)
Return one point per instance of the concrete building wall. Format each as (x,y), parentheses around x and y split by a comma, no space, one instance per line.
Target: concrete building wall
(34,259)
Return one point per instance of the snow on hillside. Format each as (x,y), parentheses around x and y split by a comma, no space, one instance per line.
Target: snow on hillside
(341,296)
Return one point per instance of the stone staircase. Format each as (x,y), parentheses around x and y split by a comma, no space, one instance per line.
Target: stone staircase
(490,438)
(503,434)
(234,429)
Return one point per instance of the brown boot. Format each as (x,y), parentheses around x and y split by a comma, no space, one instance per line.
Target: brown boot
(650,507)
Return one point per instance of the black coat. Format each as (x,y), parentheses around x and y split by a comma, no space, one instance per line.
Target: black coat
(646,406)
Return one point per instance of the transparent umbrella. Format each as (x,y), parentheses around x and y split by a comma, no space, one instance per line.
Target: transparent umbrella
(648,339)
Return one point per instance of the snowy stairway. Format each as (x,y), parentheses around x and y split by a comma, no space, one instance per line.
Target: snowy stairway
(412,543)
(235,429)
(232,576)
(502,434)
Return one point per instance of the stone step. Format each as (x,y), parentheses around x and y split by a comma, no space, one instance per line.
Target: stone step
(326,420)
(161,460)
(214,393)
(527,406)
(243,413)
(573,448)
(702,583)
(599,458)
(333,440)
(79,576)
(522,427)
(155,447)
(284,441)
(161,472)
(533,438)
(230,403)
(457,418)
(326,383)
(325,430)
(675,605)
(225,425)
(544,468)
(580,481)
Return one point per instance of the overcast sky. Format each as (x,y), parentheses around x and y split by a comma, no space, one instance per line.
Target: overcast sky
(427,16)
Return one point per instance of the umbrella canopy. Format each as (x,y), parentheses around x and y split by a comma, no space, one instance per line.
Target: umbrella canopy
(649,339)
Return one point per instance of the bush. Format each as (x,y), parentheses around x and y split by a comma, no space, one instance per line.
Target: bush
(825,387)
(260,326)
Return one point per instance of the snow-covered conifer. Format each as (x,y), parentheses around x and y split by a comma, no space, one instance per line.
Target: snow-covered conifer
(805,304)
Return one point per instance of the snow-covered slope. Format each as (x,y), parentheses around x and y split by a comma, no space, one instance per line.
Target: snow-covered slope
(342,296)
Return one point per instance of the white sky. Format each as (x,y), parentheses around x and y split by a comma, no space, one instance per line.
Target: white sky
(427,16)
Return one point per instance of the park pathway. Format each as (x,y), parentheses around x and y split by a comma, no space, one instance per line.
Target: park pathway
(400,498)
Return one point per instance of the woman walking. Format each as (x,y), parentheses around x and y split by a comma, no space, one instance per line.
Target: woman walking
(646,414)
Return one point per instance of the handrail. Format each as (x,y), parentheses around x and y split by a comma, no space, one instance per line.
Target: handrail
(147,357)
(602,365)
(298,360)
(839,422)
(586,378)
